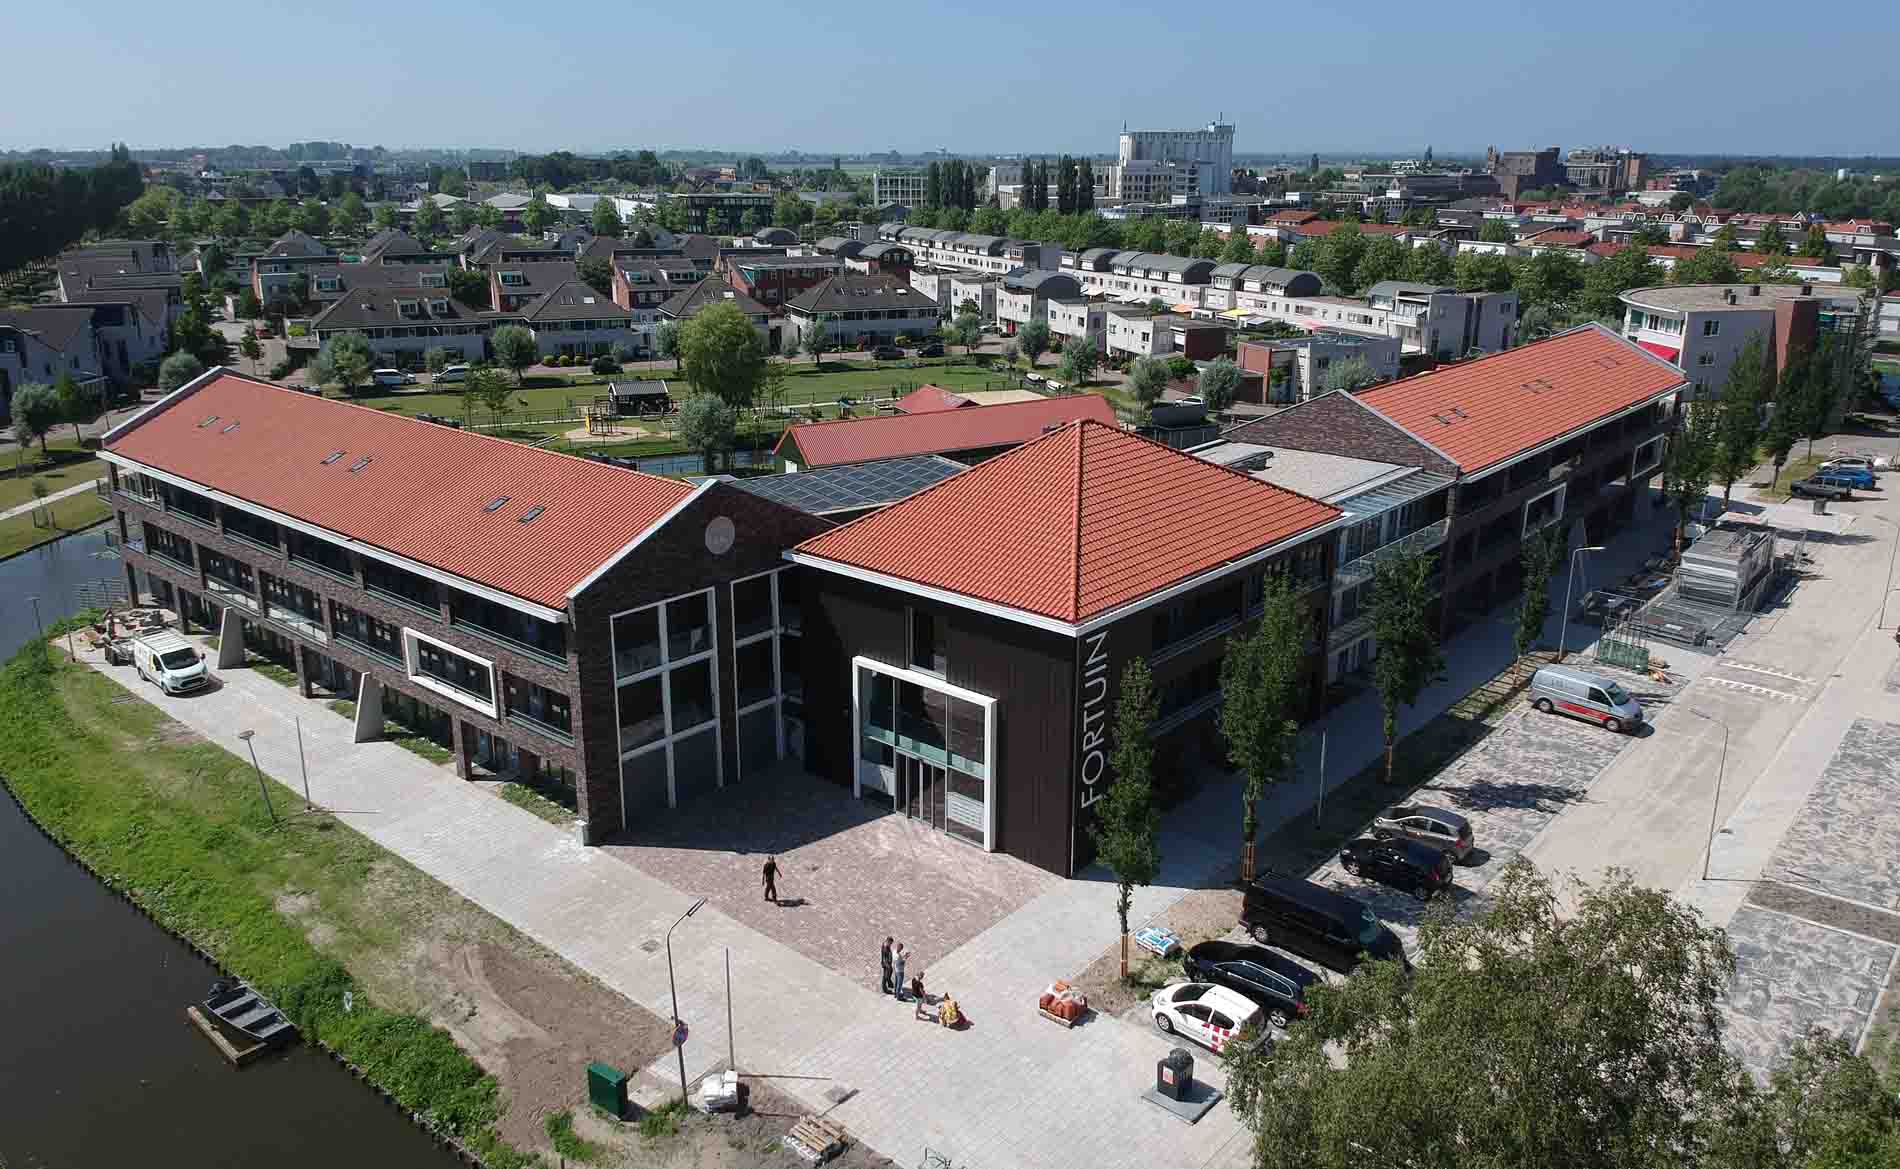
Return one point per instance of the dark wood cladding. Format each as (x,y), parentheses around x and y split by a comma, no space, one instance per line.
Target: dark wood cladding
(673,560)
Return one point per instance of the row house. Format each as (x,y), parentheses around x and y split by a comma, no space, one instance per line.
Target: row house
(41,343)
(402,324)
(854,312)
(1022,297)
(575,320)
(774,279)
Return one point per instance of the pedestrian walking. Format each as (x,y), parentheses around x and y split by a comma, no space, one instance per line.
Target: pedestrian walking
(771,879)
(884,962)
(897,971)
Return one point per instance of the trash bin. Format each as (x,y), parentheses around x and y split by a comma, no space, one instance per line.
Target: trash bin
(1820,507)
(1174,1074)
(607,1089)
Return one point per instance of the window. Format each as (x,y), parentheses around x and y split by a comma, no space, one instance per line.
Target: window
(547,709)
(505,623)
(1705,359)
(1711,327)
(365,632)
(397,584)
(466,676)
(926,646)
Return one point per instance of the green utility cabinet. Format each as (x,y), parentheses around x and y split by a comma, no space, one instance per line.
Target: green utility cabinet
(607,1090)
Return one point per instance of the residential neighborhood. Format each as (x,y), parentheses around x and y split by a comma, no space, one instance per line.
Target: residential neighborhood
(1053,636)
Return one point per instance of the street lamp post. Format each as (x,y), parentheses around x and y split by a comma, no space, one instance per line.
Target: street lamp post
(1570,578)
(1715,806)
(247,736)
(673,989)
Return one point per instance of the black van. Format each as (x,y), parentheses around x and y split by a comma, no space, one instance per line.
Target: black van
(1330,928)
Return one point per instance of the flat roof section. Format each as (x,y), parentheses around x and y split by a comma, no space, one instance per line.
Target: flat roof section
(855,486)
(416,489)
(1313,473)
(1714,297)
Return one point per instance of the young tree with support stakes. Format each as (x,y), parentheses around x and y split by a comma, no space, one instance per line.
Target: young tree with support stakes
(666,342)
(1219,383)
(1539,558)
(35,409)
(1126,822)
(1260,687)
(1686,463)
(1034,339)
(1080,358)
(708,426)
(344,361)
(1738,415)
(1146,379)
(251,350)
(1410,656)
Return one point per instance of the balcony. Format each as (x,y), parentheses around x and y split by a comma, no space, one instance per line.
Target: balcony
(135,543)
(410,603)
(526,649)
(296,622)
(1360,569)
(231,593)
(378,652)
(548,729)
(239,537)
(1347,632)
(321,569)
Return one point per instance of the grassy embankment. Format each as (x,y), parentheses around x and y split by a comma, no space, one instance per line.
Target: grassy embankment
(179,827)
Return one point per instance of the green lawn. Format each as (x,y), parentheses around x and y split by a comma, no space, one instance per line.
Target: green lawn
(69,515)
(70,469)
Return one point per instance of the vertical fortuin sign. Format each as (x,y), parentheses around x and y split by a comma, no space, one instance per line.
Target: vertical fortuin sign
(1091,666)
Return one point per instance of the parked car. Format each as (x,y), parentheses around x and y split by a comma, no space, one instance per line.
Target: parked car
(1210,1015)
(931,349)
(887,353)
(1316,922)
(1437,827)
(1848,477)
(452,373)
(392,377)
(1584,695)
(1875,464)
(1817,489)
(1418,869)
(1274,981)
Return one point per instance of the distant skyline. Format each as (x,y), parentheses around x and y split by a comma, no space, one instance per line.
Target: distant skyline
(970,78)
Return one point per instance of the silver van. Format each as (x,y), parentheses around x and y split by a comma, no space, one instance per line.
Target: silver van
(1585,695)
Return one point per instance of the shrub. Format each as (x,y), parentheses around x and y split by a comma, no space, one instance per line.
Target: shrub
(605,364)
(298,330)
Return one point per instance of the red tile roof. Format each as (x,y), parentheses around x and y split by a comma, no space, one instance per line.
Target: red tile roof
(888,436)
(1685,251)
(928,399)
(1558,237)
(1293,217)
(423,494)
(1485,411)
(1096,518)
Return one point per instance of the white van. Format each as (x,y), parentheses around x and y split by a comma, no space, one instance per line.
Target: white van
(1585,695)
(170,661)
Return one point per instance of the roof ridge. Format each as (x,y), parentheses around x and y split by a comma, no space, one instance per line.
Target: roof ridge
(978,406)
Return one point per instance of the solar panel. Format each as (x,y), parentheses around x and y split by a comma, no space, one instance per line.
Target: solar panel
(859,485)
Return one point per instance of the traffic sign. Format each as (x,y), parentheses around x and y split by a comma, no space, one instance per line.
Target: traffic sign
(679,1033)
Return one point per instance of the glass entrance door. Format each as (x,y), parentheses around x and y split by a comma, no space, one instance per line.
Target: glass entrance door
(920,790)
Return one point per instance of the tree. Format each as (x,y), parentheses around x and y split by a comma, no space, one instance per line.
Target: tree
(1181,237)
(597,272)
(470,287)
(488,215)
(250,348)
(1410,657)
(966,328)
(1079,360)
(1126,822)
(351,213)
(1726,239)
(1337,256)
(1779,435)
(1384,258)
(1772,242)
(385,217)
(344,361)
(436,359)
(723,355)
(1857,276)
(1219,384)
(36,411)
(1429,265)
(1738,414)
(1815,245)
(1549,278)
(606,218)
(1587,1035)
(1603,284)
(313,218)
(1146,379)
(1825,1108)
(515,348)
(178,369)
(1476,272)
(1708,266)
(1210,245)
(1349,374)
(707,425)
(1259,686)
(1034,338)
(1681,201)
(1539,558)
(491,390)
(1687,462)
(1496,231)
(1011,351)
(814,342)
(1651,233)
(666,341)
(537,215)
(788,210)
(1239,248)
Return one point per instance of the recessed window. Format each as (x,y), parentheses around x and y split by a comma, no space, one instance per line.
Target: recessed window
(332,457)
(496,504)
(532,512)
(359,464)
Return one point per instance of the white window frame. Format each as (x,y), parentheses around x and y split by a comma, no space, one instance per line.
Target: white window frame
(928,682)
(668,740)
(1524,517)
(1640,469)
(411,638)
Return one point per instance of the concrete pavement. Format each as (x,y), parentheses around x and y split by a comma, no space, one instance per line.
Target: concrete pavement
(51,498)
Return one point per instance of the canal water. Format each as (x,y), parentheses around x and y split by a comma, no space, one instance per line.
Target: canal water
(98,1064)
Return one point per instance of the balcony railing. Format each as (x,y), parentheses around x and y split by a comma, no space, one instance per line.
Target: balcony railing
(1347,632)
(293,620)
(231,592)
(322,569)
(548,729)
(374,651)
(1361,568)
(170,555)
(135,543)
(536,652)
(242,538)
(411,603)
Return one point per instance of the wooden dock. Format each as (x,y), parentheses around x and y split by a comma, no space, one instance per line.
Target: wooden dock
(239,1056)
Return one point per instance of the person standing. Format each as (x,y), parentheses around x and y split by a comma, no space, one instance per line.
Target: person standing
(771,879)
(897,971)
(884,962)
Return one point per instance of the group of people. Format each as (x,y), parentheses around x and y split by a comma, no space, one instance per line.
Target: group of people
(891,960)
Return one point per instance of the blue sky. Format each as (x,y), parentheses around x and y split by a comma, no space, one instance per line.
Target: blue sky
(968,77)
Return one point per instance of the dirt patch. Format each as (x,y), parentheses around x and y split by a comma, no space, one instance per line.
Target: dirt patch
(748,1141)
(1195,918)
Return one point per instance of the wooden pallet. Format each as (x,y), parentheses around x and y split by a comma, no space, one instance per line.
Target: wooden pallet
(1055,1018)
(815,1139)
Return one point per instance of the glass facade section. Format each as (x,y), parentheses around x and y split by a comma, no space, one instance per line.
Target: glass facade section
(191,505)
(168,546)
(543,639)
(321,555)
(242,525)
(636,642)
(756,676)
(690,688)
(689,628)
(642,714)
(752,607)
(538,706)
(454,670)
(402,586)
(379,638)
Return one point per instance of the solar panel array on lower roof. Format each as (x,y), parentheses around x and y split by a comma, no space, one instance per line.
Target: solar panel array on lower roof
(857,485)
